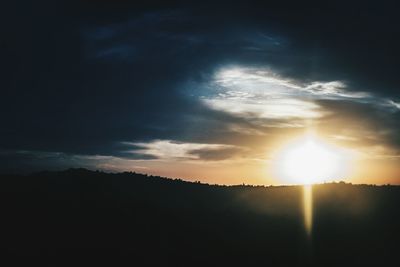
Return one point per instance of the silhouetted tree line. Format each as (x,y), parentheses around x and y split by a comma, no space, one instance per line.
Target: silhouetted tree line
(91,218)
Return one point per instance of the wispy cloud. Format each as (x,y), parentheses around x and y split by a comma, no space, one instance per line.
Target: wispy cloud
(333,89)
(279,108)
(253,92)
(393,104)
(170,150)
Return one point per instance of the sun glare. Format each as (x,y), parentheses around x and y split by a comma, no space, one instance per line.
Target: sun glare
(310,160)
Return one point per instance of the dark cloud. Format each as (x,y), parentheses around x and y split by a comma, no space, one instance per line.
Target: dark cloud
(370,124)
(215,154)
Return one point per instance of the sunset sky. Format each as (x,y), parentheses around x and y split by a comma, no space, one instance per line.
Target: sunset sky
(209,92)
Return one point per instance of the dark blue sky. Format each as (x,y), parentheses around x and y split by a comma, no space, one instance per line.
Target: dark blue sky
(119,85)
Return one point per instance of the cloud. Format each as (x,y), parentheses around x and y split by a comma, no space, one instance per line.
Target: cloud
(170,150)
(362,125)
(334,89)
(393,104)
(213,154)
(258,92)
(284,108)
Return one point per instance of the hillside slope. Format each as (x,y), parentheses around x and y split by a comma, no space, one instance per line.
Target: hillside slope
(85,218)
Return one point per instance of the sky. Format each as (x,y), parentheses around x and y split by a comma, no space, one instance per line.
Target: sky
(202,91)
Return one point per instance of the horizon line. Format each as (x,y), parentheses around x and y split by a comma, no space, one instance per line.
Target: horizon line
(190,181)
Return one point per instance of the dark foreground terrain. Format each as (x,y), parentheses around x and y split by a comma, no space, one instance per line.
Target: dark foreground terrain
(84,218)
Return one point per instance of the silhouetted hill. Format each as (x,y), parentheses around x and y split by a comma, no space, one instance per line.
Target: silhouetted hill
(85,218)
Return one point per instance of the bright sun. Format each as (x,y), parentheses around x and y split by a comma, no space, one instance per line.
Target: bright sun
(309,160)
